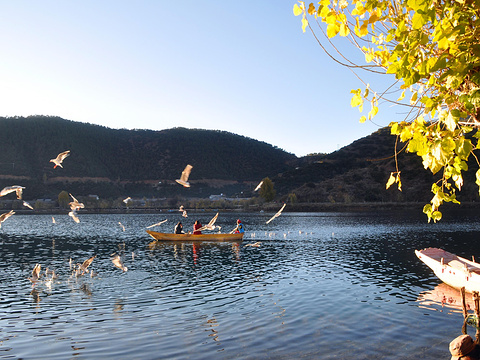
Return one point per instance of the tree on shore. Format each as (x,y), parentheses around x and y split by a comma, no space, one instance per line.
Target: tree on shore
(267,192)
(432,49)
(63,199)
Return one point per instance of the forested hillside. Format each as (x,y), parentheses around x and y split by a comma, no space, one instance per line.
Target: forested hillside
(110,162)
(358,173)
(114,163)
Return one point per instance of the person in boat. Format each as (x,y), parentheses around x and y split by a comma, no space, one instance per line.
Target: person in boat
(196,228)
(179,228)
(239,229)
(463,347)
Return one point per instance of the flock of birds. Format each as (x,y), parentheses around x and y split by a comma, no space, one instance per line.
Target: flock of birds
(82,269)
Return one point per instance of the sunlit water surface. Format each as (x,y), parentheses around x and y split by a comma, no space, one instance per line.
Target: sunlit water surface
(319,286)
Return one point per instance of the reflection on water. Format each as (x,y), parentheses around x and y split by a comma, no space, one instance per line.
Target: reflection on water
(318,285)
(444,297)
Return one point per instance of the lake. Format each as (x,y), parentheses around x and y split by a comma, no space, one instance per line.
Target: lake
(319,286)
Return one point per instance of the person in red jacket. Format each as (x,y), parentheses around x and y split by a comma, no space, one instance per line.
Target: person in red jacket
(197,226)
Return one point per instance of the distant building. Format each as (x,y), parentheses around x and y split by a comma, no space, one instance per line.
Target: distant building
(217,197)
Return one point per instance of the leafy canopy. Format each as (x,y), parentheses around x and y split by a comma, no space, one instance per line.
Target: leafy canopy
(432,47)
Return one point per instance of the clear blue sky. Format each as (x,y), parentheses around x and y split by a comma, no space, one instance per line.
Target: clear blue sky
(241,66)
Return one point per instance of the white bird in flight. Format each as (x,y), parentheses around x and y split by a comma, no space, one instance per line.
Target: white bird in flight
(256,244)
(184,212)
(127,199)
(73,215)
(210,225)
(117,261)
(59,159)
(277,214)
(75,204)
(5,216)
(84,266)
(15,188)
(157,224)
(121,225)
(26,204)
(259,186)
(184,178)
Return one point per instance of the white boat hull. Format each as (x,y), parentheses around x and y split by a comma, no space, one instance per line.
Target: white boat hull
(453,270)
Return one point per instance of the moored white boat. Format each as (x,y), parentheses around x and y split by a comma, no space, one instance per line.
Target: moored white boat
(453,270)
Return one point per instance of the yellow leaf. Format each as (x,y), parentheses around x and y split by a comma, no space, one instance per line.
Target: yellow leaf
(372,112)
(450,122)
(391,180)
(363,119)
(332,30)
(414,97)
(401,96)
(297,10)
(311,9)
(356,100)
(304,24)
(344,30)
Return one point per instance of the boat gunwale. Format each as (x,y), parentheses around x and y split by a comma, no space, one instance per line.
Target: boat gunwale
(226,237)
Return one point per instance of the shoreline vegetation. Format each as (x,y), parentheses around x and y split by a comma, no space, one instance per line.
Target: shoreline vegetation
(415,207)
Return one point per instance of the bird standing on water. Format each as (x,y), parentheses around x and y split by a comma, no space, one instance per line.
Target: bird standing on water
(35,274)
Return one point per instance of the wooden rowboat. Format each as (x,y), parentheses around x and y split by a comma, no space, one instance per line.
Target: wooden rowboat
(452,269)
(191,237)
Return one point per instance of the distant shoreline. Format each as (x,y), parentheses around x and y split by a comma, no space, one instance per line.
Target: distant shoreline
(270,207)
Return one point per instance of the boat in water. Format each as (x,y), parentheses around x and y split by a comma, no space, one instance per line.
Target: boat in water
(453,270)
(194,237)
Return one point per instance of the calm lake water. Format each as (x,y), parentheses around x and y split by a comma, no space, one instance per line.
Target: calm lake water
(319,286)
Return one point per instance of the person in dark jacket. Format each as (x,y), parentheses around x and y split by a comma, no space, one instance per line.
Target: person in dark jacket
(179,228)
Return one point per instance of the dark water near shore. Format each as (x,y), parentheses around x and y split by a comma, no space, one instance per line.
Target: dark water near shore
(320,286)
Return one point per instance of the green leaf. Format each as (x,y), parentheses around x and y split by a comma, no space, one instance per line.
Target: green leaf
(464,148)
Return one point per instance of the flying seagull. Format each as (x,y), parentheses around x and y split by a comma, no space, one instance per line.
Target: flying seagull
(59,159)
(121,225)
(127,199)
(184,212)
(75,204)
(15,188)
(256,244)
(184,178)
(157,224)
(259,186)
(5,216)
(117,261)
(73,215)
(210,225)
(26,204)
(277,214)
(84,266)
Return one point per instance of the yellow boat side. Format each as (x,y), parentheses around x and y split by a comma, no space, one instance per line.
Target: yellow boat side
(191,237)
